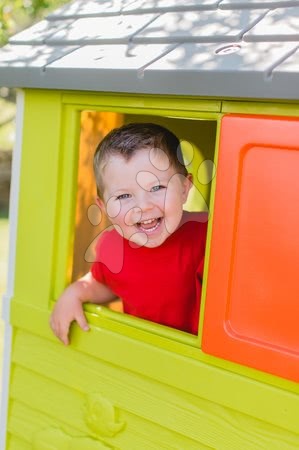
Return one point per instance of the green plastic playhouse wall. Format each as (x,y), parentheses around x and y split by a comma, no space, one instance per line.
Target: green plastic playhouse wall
(126,384)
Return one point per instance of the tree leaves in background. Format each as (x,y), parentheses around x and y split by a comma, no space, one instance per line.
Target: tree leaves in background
(16,15)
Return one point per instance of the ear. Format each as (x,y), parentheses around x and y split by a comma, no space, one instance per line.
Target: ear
(187,185)
(101,204)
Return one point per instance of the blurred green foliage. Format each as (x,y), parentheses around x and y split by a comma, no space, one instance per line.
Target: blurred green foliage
(16,15)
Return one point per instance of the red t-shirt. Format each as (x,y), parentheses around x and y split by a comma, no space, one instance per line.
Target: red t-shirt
(161,284)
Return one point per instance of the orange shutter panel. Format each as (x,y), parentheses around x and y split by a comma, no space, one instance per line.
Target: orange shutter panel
(252,301)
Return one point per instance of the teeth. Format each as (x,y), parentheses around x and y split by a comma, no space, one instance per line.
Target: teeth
(146,222)
(150,225)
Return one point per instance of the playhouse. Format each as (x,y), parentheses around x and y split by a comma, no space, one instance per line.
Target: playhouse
(223,75)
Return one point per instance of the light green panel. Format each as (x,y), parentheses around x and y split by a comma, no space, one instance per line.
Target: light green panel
(28,422)
(196,377)
(211,203)
(146,103)
(138,328)
(65,211)
(137,433)
(149,414)
(38,195)
(271,109)
(88,416)
(152,386)
(14,443)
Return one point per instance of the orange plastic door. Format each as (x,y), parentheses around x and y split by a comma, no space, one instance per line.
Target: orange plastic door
(252,302)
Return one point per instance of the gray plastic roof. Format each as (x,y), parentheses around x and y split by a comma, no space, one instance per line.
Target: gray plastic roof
(207,48)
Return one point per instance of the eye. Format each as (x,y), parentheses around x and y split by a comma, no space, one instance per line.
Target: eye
(157,188)
(123,196)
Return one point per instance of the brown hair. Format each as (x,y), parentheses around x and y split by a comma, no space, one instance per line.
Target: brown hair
(128,139)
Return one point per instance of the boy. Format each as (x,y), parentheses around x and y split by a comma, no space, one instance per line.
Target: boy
(153,257)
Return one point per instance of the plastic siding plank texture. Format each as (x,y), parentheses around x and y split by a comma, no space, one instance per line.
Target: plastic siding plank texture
(215,70)
(63,393)
(114,57)
(225,58)
(15,443)
(111,68)
(137,104)
(251,4)
(287,70)
(281,24)
(88,8)
(41,159)
(169,368)
(37,34)
(21,56)
(41,67)
(265,108)
(143,6)
(290,66)
(139,400)
(26,422)
(200,26)
(100,29)
(68,407)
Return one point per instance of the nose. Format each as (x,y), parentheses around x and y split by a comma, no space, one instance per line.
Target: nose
(143,204)
(144,201)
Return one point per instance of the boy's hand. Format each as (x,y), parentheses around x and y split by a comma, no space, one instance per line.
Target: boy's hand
(69,306)
(67,309)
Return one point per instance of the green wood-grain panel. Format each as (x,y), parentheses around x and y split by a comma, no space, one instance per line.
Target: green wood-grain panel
(15,443)
(263,108)
(26,423)
(58,404)
(38,195)
(142,102)
(169,393)
(66,205)
(63,376)
(209,233)
(194,376)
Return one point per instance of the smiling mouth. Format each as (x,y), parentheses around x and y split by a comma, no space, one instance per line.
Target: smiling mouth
(150,225)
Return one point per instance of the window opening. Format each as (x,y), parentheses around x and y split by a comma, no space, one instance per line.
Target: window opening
(197,138)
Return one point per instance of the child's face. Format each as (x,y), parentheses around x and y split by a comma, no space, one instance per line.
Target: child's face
(144,197)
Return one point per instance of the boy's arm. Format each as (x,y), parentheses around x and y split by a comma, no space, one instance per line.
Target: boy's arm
(69,306)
